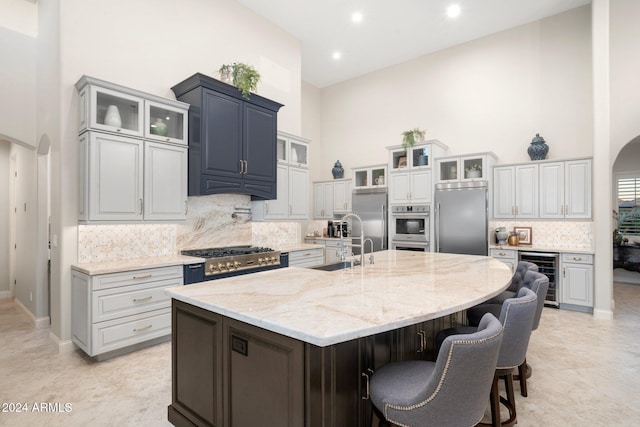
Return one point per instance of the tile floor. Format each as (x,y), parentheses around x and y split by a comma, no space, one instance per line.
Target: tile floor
(585,372)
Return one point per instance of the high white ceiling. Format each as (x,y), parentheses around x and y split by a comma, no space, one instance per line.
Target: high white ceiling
(391,32)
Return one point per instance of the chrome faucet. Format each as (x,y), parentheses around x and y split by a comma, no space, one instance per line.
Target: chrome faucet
(370,253)
(362,238)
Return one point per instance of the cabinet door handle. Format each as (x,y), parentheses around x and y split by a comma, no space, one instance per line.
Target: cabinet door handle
(577,258)
(246,167)
(241,167)
(140,206)
(501,253)
(147,298)
(142,329)
(564,271)
(186,206)
(144,276)
(366,376)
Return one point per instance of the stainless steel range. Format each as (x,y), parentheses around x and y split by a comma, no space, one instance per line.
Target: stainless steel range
(232,261)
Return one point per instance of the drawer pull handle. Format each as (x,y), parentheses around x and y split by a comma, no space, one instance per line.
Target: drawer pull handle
(577,258)
(143,299)
(307,254)
(501,253)
(144,276)
(195,267)
(142,329)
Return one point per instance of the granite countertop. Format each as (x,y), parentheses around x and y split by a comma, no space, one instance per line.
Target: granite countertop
(105,267)
(324,308)
(538,248)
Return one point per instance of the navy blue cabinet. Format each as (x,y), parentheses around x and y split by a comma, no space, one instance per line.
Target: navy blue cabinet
(232,140)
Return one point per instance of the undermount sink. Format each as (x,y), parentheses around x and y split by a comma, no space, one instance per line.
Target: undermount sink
(333,267)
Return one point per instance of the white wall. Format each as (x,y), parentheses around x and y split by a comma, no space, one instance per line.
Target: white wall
(625,69)
(4,218)
(17,86)
(493,93)
(150,47)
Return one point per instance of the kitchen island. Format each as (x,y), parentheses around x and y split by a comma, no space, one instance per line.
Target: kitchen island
(294,347)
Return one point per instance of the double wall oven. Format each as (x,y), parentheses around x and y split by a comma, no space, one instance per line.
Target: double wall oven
(410,227)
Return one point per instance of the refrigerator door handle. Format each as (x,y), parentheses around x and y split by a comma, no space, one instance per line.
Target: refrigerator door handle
(384,227)
(437,227)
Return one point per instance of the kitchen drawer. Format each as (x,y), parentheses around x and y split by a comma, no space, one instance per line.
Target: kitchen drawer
(577,258)
(130,330)
(123,301)
(314,241)
(306,258)
(146,275)
(504,253)
(335,243)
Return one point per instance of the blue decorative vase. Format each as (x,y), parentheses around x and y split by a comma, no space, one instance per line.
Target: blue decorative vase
(337,171)
(538,149)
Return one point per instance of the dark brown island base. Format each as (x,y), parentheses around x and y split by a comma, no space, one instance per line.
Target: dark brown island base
(296,347)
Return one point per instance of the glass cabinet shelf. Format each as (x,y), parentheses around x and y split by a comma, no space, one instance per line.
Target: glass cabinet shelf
(115,111)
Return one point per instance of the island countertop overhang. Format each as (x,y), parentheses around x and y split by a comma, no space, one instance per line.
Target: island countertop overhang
(325,308)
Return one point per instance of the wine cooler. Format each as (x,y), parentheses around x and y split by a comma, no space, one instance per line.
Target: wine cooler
(548,265)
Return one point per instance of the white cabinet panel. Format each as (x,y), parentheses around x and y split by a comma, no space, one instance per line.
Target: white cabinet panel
(399,187)
(323,200)
(577,281)
(565,189)
(165,182)
(298,193)
(342,196)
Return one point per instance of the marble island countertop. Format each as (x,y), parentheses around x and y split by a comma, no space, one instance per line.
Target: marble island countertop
(324,308)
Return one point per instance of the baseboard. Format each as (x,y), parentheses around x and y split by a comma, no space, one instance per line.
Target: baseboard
(5,294)
(603,314)
(36,322)
(66,346)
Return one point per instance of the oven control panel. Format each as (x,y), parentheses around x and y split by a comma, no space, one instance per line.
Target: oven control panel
(422,209)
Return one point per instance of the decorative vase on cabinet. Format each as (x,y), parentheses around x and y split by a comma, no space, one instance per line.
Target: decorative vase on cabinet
(112,117)
(338,170)
(159,127)
(538,149)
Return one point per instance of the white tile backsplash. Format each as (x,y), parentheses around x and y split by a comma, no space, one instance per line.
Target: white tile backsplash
(553,233)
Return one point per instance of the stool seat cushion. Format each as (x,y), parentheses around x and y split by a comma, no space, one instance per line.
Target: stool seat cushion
(401,382)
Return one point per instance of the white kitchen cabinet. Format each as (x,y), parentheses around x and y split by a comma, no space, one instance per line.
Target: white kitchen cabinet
(311,257)
(576,286)
(111,177)
(342,196)
(165,181)
(506,256)
(331,197)
(323,197)
(370,176)
(515,191)
(130,167)
(293,197)
(410,187)
(565,189)
(471,167)
(292,150)
(124,310)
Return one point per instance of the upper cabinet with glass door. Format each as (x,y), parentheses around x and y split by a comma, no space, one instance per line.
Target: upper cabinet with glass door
(472,167)
(292,150)
(165,123)
(108,107)
(420,155)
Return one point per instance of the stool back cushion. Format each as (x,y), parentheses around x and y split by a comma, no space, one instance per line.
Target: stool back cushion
(455,392)
(517,320)
(518,276)
(538,283)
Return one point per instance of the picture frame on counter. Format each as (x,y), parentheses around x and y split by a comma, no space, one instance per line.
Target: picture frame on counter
(525,235)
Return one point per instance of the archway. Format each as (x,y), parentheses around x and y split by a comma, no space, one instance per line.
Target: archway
(626,167)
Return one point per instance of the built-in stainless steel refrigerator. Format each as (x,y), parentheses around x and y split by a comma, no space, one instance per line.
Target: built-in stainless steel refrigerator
(462,218)
(371,206)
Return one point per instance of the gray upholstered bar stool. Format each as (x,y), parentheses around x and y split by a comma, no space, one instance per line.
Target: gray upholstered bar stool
(538,283)
(516,316)
(451,391)
(517,281)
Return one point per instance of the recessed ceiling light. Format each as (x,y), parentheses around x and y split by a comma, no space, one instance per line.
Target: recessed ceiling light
(453,11)
(356,17)
(337,55)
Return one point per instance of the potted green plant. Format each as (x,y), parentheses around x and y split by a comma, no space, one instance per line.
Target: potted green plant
(242,76)
(410,137)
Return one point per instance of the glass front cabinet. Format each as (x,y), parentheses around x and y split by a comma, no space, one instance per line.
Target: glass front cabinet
(370,176)
(420,156)
(473,167)
(292,150)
